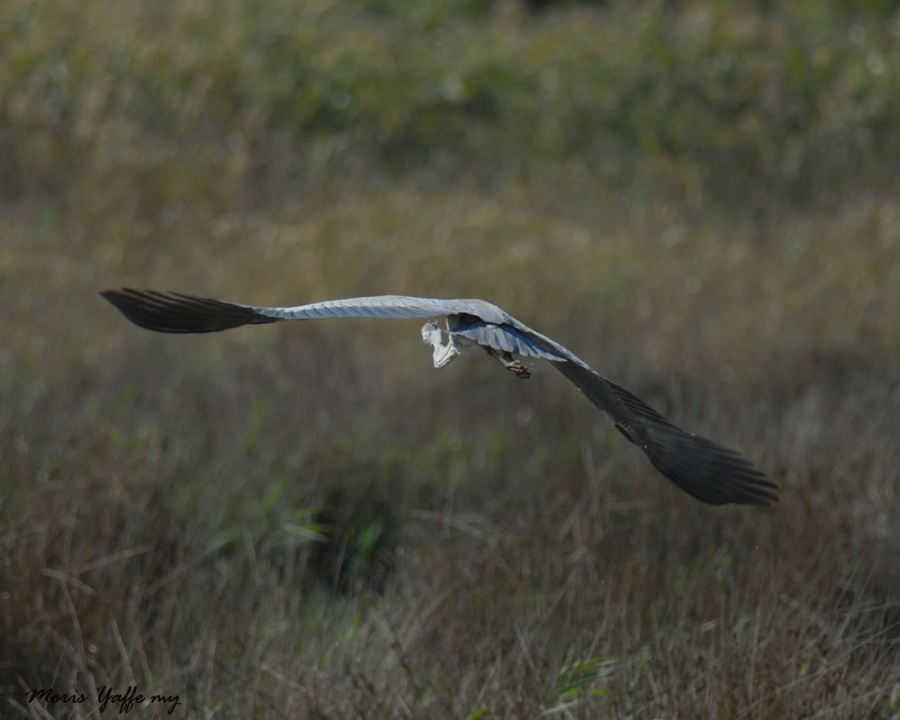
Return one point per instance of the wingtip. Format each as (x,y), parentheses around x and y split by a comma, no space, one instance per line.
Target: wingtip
(763,494)
(110,293)
(172,312)
(119,295)
(709,472)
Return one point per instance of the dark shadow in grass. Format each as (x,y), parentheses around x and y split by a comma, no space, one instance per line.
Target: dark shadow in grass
(360,536)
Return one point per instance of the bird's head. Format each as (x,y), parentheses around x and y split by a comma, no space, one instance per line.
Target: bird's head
(444,351)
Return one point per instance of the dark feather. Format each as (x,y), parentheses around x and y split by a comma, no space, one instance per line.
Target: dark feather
(176,313)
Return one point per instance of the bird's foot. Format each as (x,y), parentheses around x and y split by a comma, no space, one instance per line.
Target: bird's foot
(517,368)
(520,370)
(510,363)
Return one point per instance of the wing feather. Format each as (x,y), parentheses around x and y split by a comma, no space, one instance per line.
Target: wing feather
(702,468)
(176,313)
(505,338)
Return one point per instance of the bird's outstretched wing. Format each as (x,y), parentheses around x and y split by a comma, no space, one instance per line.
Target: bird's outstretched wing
(706,470)
(477,320)
(178,313)
(702,468)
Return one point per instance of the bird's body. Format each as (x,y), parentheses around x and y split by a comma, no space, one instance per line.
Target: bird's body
(708,471)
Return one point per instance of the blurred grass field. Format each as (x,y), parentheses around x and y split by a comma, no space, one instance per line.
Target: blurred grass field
(699,199)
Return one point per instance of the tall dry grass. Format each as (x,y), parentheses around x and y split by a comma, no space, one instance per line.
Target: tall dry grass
(310,521)
(164,496)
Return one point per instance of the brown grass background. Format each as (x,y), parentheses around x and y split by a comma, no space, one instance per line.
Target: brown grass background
(308,520)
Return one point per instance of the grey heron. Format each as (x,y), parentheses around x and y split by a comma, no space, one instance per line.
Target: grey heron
(704,469)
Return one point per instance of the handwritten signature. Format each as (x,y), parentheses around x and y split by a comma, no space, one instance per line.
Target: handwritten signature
(106,697)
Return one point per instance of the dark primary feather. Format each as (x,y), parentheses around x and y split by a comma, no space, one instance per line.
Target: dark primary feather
(703,469)
(706,470)
(176,313)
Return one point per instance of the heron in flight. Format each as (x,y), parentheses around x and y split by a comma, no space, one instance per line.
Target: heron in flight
(706,470)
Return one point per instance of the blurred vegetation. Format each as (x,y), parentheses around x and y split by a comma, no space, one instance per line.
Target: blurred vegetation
(700,198)
(103,103)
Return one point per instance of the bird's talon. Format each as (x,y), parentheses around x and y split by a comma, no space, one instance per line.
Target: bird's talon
(518,369)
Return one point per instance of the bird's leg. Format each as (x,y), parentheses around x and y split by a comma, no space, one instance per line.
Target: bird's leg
(510,363)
